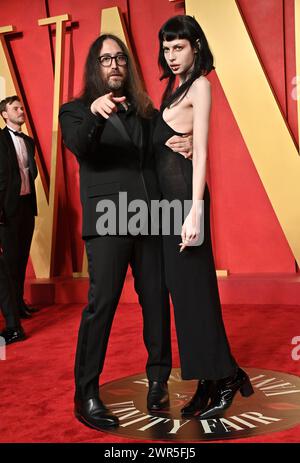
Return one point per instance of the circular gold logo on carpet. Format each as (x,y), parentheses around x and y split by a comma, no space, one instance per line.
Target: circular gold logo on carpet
(274,406)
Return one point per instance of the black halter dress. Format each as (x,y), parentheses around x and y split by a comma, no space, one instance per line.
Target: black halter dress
(190,275)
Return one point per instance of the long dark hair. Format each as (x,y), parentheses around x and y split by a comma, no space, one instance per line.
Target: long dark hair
(94,86)
(183,27)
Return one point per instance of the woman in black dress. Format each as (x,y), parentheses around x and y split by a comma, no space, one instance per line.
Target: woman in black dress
(190,270)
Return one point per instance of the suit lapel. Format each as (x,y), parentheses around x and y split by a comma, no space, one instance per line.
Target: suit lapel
(14,156)
(118,124)
(30,152)
(12,151)
(142,141)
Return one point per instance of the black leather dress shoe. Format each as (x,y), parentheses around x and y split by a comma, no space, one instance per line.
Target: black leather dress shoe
(93,413)
(24,313)
(30,309)
(13,335)
(225,392)
(200,399)
(158,395)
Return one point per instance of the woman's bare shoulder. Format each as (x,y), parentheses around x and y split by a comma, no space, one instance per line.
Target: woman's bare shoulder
(200,91)
(201,84)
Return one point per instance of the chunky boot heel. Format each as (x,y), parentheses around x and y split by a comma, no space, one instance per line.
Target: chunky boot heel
(226,390)
(246,389)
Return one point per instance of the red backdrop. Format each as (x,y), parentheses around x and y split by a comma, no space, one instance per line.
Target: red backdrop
(247,235)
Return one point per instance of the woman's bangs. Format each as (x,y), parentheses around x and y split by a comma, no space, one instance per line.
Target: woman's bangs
(170,33)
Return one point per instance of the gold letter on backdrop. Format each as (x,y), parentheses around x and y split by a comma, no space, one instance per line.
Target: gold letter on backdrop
(45,231)
(8,81)
(297,48)
(256,111)
(43,244)
(9,86)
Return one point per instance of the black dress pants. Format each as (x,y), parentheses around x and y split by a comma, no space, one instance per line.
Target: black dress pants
(7,298)
(108,259)
(16,237)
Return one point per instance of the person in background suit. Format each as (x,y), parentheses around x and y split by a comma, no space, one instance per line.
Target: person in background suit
(109,131)
(13,331)
(19,206)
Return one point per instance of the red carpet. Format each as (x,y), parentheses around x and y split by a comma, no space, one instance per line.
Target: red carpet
(36,379)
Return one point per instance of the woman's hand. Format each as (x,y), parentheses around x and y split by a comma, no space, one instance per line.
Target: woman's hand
(191,228)
(107,104)
(182,144)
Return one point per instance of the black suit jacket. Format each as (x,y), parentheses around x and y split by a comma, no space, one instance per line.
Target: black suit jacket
(4,174)
(10,179)
(109,160)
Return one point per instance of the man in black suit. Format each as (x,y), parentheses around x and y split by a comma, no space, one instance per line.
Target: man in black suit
(13,331)
(109,131)
(19,207)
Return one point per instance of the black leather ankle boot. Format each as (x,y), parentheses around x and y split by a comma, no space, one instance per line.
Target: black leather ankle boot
(200,399)
(225,392)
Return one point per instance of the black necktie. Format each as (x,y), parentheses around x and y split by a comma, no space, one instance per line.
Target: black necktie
(17,134)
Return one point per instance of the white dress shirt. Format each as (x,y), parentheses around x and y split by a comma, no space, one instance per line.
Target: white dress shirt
(22,157)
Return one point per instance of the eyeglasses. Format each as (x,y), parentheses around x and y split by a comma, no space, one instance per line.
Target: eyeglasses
(106,60)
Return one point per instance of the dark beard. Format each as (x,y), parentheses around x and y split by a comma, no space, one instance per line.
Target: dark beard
(111,86)
(115,85)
